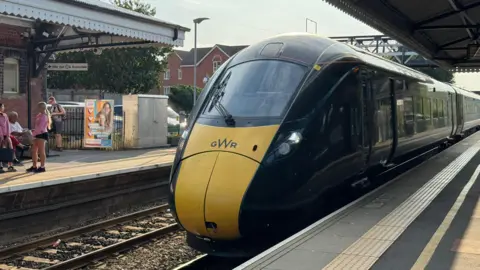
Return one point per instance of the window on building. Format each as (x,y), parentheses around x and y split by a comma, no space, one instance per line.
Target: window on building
(166,75)
(166,90)
(216,65)
(180,74)
(217,62)
(11,75)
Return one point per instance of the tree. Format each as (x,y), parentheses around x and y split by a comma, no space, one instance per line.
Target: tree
(438,74)
(182,96)
(129,70)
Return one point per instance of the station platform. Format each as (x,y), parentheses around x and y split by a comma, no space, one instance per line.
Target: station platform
(74,166)
(426,218)
(78,187)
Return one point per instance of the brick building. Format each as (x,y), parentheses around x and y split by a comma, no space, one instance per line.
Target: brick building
(181,63)
(28,45)
(14,67)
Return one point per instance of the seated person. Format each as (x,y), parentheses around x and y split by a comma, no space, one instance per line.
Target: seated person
(17,145)
(23,135)
(17,133)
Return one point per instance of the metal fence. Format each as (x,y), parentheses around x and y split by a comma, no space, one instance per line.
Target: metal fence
(74,127)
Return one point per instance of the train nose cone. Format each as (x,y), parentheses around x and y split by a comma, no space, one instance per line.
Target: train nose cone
(209,192)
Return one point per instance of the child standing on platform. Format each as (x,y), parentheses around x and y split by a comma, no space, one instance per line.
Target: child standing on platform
(43,123)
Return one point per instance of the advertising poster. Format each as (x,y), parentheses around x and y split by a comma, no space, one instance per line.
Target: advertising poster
(98,123)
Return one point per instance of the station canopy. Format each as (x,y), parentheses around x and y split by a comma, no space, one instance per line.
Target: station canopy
(76,25)
(445,31)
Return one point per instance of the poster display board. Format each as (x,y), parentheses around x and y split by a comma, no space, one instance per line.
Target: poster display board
(98,126)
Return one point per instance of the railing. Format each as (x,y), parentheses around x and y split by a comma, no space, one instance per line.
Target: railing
(74,127)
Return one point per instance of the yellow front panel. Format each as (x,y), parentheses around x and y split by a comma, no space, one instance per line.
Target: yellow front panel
(192,183)
(228,184)
(249,141)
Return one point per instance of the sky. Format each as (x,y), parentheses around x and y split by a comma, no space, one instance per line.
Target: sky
(247,21)
(234,22)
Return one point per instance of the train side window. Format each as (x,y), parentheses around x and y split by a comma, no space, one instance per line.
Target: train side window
(409,124)
(434,108)
(408,107)
(444,108)
(441,112)
(383,108)
(426,109)
(418,108)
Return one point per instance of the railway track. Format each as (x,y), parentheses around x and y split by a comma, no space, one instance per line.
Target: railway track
(82,246)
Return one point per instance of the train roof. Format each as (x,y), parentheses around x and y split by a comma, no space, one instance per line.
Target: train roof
(309,48)
(298,47)
(382,62)
(465,92)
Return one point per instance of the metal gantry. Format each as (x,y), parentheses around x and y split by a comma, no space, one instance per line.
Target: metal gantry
(393,50)
(387,47)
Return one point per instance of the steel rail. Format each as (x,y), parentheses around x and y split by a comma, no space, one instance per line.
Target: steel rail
(102,253)
(9,252)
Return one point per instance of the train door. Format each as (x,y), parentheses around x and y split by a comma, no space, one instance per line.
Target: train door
(393,122)
(451,106)
(366,116)
(460,113)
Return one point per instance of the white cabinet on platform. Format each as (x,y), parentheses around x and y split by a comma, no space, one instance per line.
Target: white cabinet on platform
(145,120)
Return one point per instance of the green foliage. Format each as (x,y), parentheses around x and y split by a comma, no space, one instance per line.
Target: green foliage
(438,74)
(135,5)
(129,70)
(182,96)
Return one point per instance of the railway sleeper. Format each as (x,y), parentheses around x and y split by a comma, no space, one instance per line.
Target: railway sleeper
(7,267)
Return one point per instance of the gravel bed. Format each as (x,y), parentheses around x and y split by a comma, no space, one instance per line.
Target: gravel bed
(99,219)
(164,253)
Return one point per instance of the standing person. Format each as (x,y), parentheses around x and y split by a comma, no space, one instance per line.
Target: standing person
(58,114)
(5,137)
(43,122)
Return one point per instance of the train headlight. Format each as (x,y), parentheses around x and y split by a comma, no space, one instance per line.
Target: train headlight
(295,138)
(284,148)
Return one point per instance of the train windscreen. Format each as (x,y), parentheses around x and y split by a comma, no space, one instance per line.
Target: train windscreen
(261,88)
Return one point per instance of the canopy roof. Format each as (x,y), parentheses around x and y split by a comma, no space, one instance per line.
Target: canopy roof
(445,31)
(104,23)
(74,25)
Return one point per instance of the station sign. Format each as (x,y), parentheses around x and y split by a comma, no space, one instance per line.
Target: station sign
(67,66)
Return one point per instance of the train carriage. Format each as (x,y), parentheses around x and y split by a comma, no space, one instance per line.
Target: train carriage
(285,120)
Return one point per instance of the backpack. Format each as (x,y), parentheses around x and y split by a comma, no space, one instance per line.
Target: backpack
(56,108)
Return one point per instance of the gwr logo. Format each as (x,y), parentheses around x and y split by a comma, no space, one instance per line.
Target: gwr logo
(224,143)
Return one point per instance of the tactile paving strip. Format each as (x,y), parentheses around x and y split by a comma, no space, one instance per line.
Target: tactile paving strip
(363,253)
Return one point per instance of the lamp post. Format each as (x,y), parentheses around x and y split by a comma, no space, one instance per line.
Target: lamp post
(306,24)
(195,22)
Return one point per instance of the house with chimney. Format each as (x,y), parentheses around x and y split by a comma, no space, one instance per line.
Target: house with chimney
(180,65)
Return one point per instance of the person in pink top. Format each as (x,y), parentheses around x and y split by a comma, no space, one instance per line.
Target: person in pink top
(5,137)
(43,122)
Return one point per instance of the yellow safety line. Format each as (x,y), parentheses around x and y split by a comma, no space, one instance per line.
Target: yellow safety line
(432,245)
